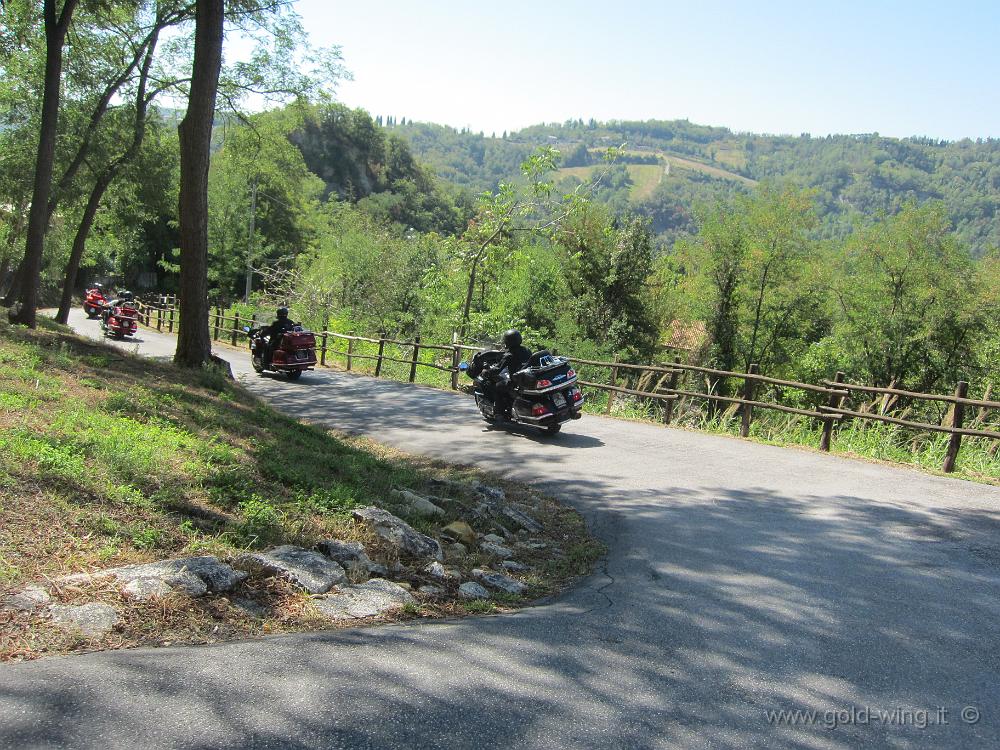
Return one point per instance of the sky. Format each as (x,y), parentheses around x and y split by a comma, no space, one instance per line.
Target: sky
(897,68)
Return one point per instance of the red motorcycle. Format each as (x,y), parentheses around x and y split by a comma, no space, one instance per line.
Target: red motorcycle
(294,354)
(94,302)
(121,319)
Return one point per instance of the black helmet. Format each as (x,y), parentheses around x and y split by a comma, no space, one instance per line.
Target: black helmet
(512,339)
(125,295)
(97,286)
(282,313)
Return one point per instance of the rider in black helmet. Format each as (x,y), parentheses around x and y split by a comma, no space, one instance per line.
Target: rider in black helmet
(515,359)
(274,331)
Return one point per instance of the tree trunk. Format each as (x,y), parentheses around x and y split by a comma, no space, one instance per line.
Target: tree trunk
(194,344)
(80,242)
(104,180)
(55,34)
(15,286)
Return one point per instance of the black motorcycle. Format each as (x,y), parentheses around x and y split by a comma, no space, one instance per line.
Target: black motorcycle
(545,394)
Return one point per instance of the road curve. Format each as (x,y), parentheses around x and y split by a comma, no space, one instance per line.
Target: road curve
(741,579)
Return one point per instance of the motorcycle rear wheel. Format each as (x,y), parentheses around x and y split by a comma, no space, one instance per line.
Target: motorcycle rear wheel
(294,374)
(553,429)
(258,363)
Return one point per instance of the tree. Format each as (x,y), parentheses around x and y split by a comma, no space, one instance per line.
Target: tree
(56,25)
(909,308)
(752,271)
(194,344)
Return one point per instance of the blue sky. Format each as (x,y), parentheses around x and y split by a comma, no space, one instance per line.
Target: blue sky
(897,68)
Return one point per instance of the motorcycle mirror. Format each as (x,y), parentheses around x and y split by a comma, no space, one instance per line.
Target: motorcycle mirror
(463,366)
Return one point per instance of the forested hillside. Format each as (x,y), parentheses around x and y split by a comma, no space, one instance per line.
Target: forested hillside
(853,176)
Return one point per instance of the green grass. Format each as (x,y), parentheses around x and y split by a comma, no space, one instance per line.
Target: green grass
(108,459)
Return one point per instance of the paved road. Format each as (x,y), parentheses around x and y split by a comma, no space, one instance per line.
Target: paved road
(741,579)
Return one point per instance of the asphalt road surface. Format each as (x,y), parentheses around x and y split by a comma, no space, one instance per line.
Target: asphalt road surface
(741,579)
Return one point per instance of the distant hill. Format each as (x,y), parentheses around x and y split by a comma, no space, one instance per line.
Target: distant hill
(672,165)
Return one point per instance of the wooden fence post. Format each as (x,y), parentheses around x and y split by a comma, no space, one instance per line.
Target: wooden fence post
(614,382)
(322,351)
(747,410)
(381,349)
(961,391)
(350,351)
(170,321)
(834,402)
(671,386)
(413,361)
(215,328)
(236,325)
(456,359)
(159,318)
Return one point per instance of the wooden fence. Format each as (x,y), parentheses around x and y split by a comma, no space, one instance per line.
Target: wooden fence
(660,383)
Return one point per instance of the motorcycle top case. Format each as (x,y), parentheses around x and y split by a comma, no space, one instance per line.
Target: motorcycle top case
(545,367)
(295,340)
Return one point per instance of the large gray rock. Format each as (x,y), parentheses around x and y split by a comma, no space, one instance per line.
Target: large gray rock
(418,503)
(499,581)
(93,620)
(472,590)
(497,550)
(149,588)
(514,566)
(27,600)
(192,575)
(398,533)
(492,495)
(369,599)
(523,520)
(313,571)
(343,552)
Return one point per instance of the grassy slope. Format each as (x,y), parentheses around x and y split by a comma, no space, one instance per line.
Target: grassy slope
(108,459)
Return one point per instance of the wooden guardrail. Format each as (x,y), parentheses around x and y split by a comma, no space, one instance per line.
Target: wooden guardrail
(667,389)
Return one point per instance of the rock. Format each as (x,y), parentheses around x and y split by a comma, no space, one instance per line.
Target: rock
(93,620)
(192,575)
(460,531)
(532,545)
(418,503)
(514,566)
(494,538)
(439,571)
(499,581)
(343,552)
(523,520)
(375,597)
(497,550)
(431,590)
(398,533)
(472,590)
(456,550)
(149,588)
(375,569)
(27,600)
(490,494)
(313,571)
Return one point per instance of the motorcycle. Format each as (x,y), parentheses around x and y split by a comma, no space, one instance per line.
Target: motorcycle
(545,394)
(294,354)
(120,319)
(94,302)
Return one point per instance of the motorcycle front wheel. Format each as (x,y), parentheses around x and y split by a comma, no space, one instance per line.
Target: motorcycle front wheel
(294,374)
(258,363)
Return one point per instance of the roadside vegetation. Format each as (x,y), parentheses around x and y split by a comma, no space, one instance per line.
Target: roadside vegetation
(107,459)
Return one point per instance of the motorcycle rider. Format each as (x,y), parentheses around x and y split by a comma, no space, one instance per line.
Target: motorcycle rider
(274,332)
(123,296)
(515,359)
